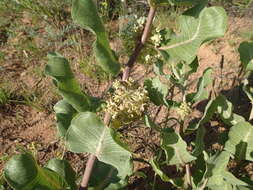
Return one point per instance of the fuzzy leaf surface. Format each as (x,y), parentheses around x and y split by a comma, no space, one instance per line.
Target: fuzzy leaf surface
(105,177)
(157,91)
(240,141)
(217,174)
(221,106)
(175,148)
(85,14)
(246,55)
(64,114)
(59,69)
(23,173)
(196,28)
(64,169)
(87,133)
(203,82)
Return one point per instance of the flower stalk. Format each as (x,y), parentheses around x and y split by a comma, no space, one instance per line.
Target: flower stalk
(126,73)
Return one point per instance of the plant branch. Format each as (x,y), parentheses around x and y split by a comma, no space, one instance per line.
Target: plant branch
(188,174)
(92,158)
(204,184)
(140,44)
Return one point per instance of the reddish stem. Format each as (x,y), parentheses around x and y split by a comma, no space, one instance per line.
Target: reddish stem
(92,158)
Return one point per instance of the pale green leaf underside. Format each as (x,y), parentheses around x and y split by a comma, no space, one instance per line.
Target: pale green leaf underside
(246,55)
(240,141)
(68,87)
(85,14)
(64,114)
(88,134)
(221,106)
(204,81)
(59,69)
(23,173)
(104,177)
(217,174)
(175,148)
(157,91)
(64,169)
(211,23)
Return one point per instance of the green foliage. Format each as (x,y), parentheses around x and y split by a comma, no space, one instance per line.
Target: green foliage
(197,26)
(85,14)
(22,172)
(182,145)
(105,177)
(175,148)
(64,114)
(246,55)
(59,69)
(64,169)
(88,134)
(203,82)
(240,143)
(157,91)
(217,175)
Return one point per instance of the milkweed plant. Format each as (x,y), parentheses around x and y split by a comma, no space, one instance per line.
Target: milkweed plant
(173,55)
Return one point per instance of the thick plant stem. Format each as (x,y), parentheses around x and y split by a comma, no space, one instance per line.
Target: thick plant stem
(204,185)
(92,158)
(91,161)
(87,173)
(141,44)
(188,174)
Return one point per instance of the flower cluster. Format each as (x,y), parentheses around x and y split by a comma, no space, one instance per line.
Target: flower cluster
(151,59)
(184,110)
(157,38)
(127,102)
(139,23)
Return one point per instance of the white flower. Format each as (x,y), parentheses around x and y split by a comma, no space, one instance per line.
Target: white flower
(157,39)
(127,103)
(147,58)
(141,21)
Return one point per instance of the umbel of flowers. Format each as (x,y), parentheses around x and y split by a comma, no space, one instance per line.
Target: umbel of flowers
(127,103)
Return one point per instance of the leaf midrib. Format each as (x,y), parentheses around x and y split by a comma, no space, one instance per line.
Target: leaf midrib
(184,42)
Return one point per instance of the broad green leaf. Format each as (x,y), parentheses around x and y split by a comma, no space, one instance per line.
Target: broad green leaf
(196,28)
(64,114)
(240,141)
(104,177)
(246,55)
(216,165)
(217,175)
(85,14)
(225,110)
(175,148)
(87,133)
(203,82)
(59,69)
(221,106)
(157,91)
(22,173)
(64,169)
